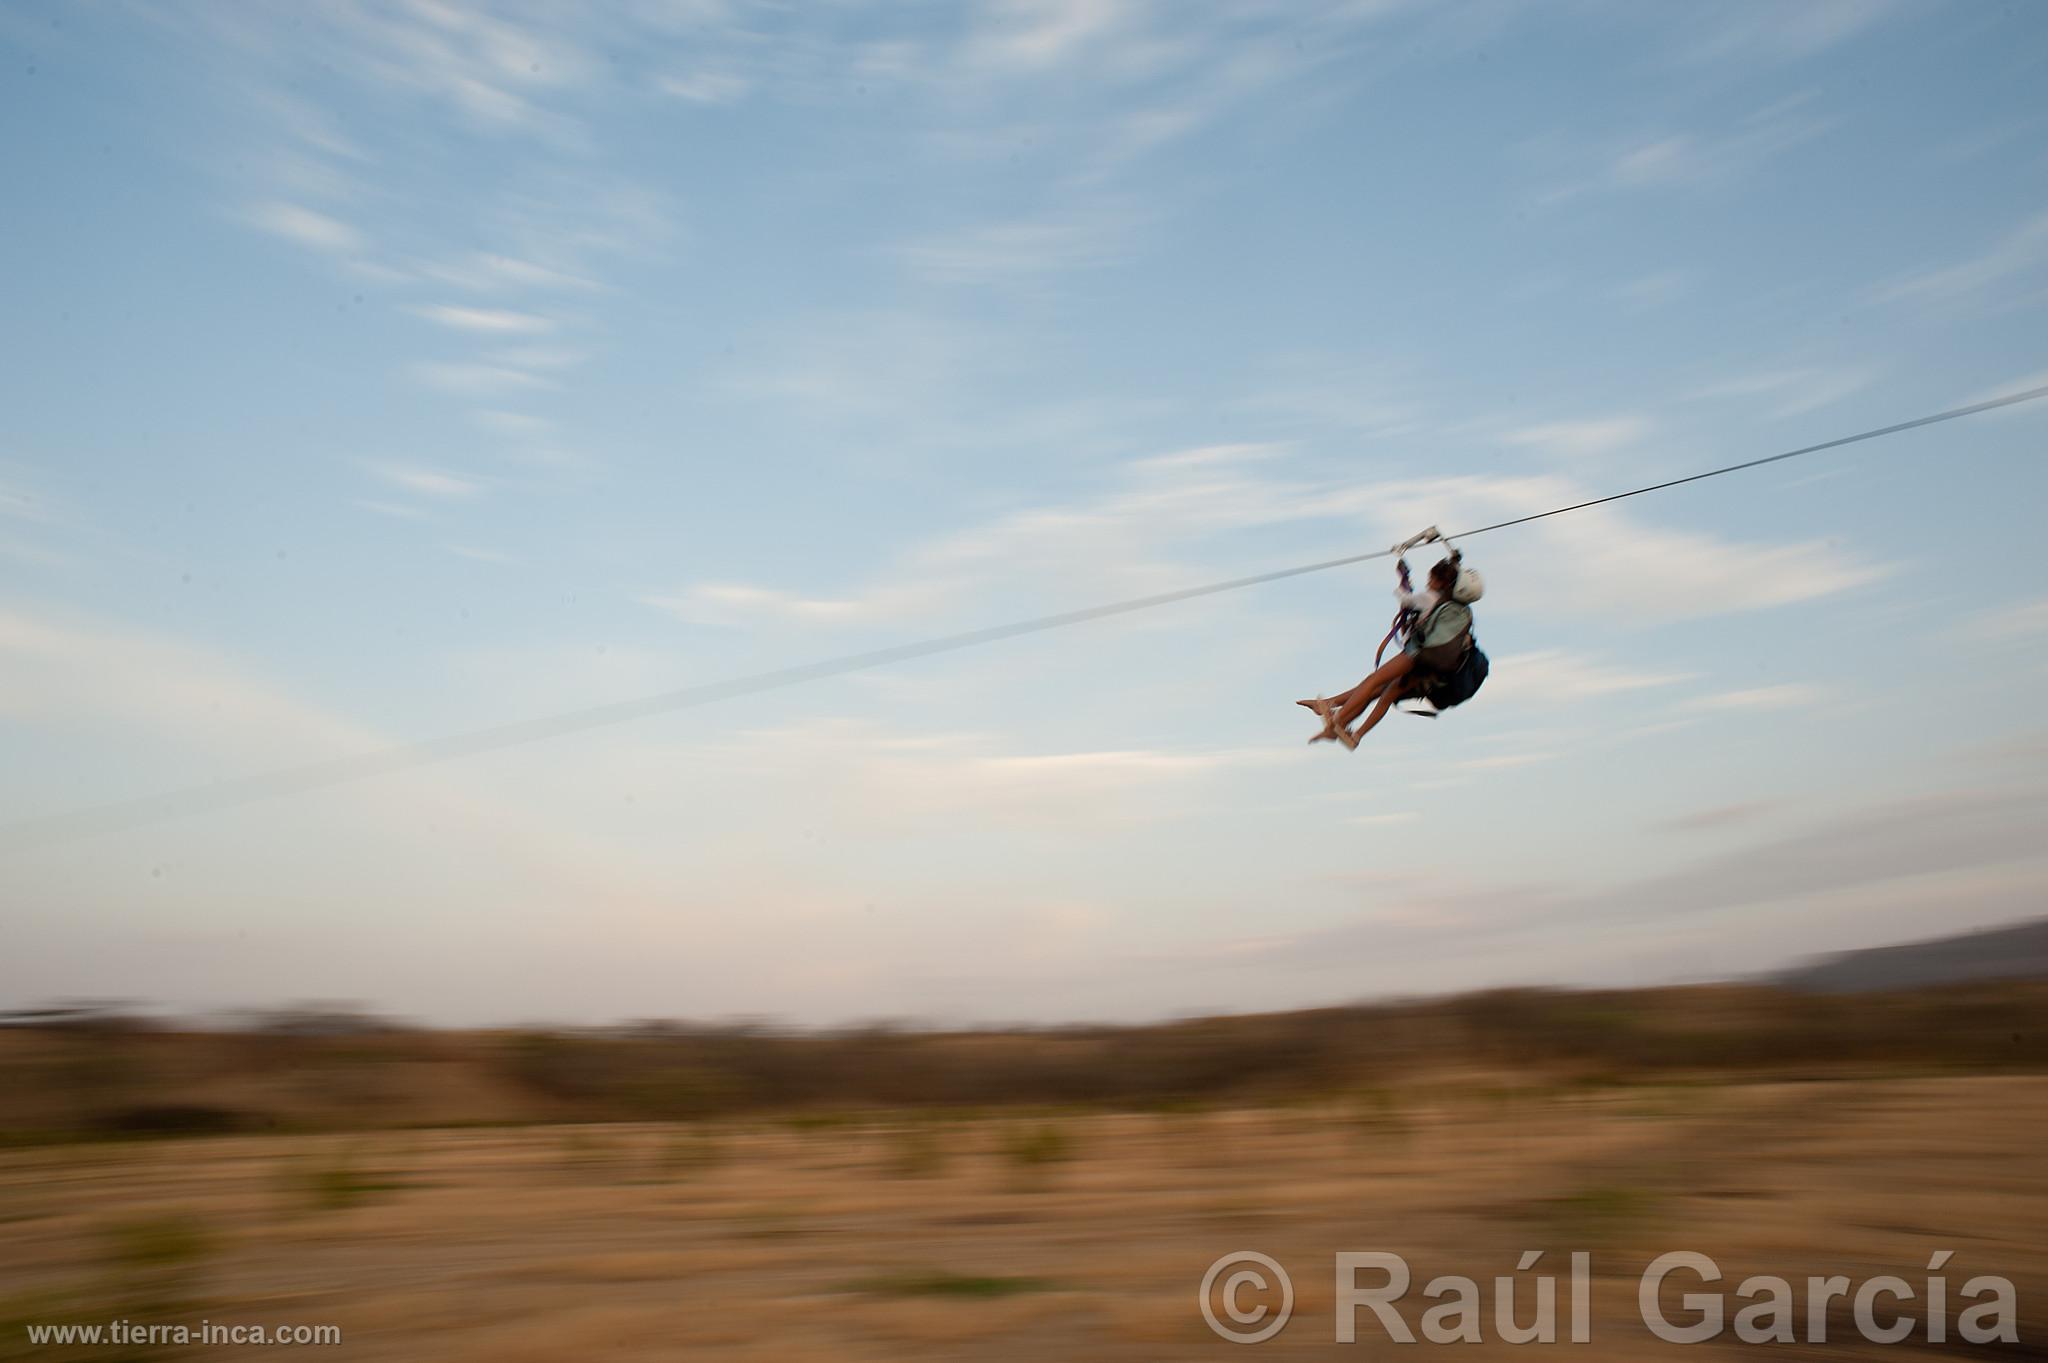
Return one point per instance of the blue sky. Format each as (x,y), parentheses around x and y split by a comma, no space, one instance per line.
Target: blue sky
(376,371)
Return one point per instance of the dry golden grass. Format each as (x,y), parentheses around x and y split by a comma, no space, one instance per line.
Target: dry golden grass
(813,1242)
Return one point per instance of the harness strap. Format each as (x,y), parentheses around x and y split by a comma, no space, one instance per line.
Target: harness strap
(1432,658)
(1404,618)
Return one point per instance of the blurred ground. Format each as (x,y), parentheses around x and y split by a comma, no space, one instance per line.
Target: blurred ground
(1024,1235)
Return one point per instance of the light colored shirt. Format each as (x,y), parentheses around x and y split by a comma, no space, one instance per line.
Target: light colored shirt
(1419,602)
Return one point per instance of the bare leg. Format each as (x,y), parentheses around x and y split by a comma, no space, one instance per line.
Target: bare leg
(1388,695)
(1379,712)
(1381,683)
(1336,701)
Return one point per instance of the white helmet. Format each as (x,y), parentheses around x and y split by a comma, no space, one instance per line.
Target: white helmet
(1469,587)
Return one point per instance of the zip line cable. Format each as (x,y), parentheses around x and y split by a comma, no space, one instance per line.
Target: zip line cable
(159,808)
(2009,400)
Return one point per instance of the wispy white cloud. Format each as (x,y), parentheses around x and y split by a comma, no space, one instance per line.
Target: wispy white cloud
(307,126)
(497,321)
(1863,847)
(1583,439)
(1167,523)
(1815,882)
(395,510)
(1144,131)
(1720,816)
(171,706)
(1368,395)
(1032,35)
(1607,558)
(878,377)
(492,70)
(1507,761)
(2024,384)
(883,780)
(536,357)
(2014,620)
(29,518)
(723,603)
(2017,263)
(293,173)
(474,379)
(1555,676)
(428,482)
(1784,696)
(488,272)
(1725,153)
(437,69)
(523,424)
(1772,32)
(1121,541)
(1653,290)
(1210,456)
(1672,574)
(62,666)
(1791,391)
(1666,158)
(35,555)
(706,86)
(1007,251)
(318,231)
(1095,85)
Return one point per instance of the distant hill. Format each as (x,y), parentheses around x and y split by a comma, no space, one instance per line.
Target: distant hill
(2019,952)
(87,1070)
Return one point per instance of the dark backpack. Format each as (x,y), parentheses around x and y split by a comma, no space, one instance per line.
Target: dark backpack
(1445,689)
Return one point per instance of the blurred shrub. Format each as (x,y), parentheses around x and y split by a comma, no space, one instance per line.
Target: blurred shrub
(155,1242)
(1035,1146)
(1597,1217)
(687,1153)
(1377,1115)
(175,1119)
(153,1264)
(336,1183)
(584,1152)
(915,1150)
(321,1020)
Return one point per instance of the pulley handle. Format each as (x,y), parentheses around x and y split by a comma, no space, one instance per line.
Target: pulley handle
(1423,537)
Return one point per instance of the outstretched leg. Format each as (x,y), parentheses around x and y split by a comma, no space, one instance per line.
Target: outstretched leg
(1384,684)
(1379,712)
(1338,701)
